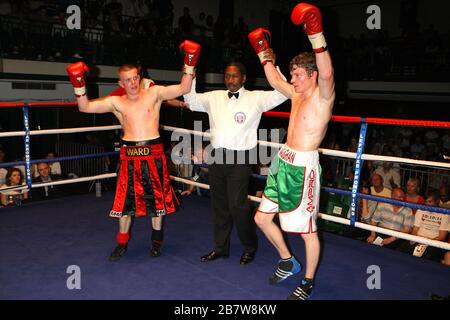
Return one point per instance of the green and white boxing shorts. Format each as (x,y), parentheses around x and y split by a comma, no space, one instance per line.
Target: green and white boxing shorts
(293,190)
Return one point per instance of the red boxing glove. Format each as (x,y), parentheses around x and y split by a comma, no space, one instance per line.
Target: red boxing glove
(310,17)
(260,40)
(76,74)
(192,52)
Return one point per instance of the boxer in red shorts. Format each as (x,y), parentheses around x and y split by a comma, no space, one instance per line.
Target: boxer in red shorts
(143,185)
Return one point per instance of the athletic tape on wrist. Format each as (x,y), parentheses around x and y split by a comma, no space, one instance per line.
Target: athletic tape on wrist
(80,91)
(262,59)
(318,41)
(189,69)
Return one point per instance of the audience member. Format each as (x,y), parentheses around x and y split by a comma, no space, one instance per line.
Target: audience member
(199,174)
(443,197)
(405,134)
(391,176)
(430,225)
(10,194)
(45,175)
(353,146)
(417,147)
(55,167)
(186,23)
(376,189)
(446,259)
(3,171)
(391,217)
(412,192)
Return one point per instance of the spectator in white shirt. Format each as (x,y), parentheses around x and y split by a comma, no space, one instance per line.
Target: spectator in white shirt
(430,225)
(391,176)
(55,167)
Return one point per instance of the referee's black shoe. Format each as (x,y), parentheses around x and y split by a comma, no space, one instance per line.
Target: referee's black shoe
(213,256)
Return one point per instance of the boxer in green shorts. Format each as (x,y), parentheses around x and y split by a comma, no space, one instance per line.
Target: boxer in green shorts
(292,192)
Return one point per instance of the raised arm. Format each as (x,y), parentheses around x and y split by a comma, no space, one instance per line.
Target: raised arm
(191,53)
(310,17)
(76,72)
(260,41)
(197,101)
(277,81)
(148,83)
(174,91)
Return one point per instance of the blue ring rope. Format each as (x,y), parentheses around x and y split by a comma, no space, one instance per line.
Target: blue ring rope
(84,156)
(390,201)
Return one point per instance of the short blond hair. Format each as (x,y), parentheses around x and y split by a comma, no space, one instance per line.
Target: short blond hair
(128,67)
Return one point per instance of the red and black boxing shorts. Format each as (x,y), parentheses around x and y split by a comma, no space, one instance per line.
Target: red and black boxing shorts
(143,183)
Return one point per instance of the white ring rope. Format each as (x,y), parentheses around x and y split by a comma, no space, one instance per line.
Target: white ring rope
(187,181)
(74,180)
(329,152)
(393,233)
(64,181)
(58,131)
(182,130)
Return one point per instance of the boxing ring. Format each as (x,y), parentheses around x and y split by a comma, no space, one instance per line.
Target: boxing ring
(41,241)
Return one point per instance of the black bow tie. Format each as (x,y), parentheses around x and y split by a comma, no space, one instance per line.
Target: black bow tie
(236,94)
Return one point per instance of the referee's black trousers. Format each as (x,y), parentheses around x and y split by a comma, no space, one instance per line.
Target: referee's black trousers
(229,189)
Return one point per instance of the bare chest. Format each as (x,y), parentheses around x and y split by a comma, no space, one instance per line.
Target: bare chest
(307,114)
(138,112)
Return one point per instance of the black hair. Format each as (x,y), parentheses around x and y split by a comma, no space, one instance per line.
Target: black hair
(238,65)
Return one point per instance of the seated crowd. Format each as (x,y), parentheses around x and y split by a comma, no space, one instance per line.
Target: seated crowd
(13,189)
(418,222)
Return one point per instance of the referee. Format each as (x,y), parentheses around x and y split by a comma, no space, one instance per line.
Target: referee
(234,116)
